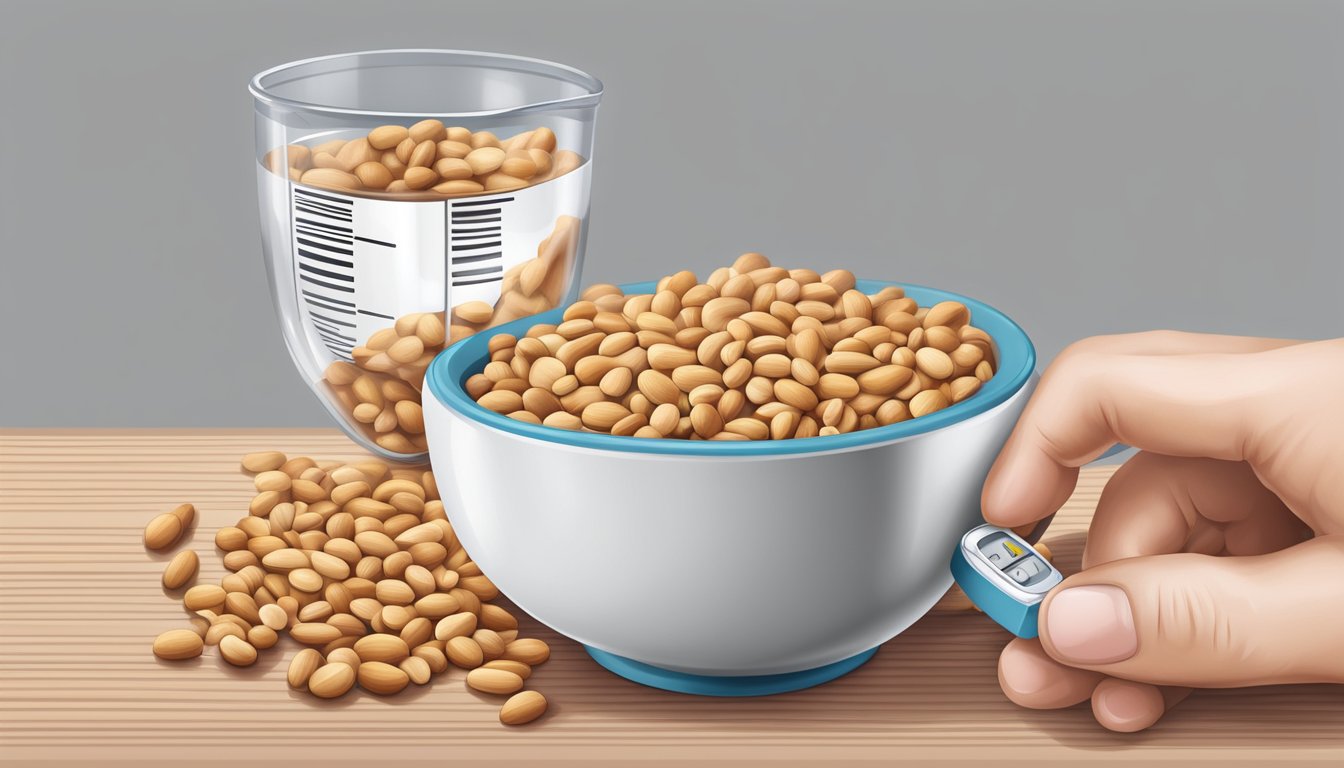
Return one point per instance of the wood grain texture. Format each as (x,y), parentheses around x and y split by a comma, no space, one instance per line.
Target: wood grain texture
(80,602)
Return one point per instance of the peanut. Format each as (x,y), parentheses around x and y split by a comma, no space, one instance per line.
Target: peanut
(331,680)
(380,389)
(181,569)
(522,708)
(719,360)
(381,678)
(498,681)
(237,651)
(415,156)
(177,644)
(387,597)
(164,531)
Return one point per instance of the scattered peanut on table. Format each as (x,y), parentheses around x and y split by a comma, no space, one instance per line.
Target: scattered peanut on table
(359,563)
(181,569)
(756,352)
(164,531)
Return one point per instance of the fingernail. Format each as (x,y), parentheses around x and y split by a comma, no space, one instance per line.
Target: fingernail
(1127,707)
(1091,625)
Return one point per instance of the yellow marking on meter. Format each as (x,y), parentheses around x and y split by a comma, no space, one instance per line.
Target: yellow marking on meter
(1012,548)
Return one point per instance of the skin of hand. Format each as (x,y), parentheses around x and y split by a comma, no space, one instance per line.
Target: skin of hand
(1216,555)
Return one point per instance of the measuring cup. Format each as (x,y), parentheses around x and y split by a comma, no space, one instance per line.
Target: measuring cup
(409,199)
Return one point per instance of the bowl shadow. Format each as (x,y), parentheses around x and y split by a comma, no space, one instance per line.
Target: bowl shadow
(935,684)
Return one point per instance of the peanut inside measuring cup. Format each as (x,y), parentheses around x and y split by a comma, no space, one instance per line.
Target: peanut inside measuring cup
(380,386)
(426,161)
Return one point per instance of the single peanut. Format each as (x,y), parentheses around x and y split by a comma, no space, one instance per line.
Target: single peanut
(177,644)
(522,708)
(164,531)
(181,569)
(331,680)
(498,681)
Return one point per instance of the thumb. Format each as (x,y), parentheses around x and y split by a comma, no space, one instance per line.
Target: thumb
(1207,622)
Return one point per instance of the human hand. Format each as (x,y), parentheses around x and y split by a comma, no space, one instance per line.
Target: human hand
(1216,555)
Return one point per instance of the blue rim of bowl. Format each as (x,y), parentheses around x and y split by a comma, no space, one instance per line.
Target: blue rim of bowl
(449,371)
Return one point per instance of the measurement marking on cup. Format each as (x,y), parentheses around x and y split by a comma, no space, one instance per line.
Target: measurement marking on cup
(465,259)
(317,212)
(310,194)
(469,230)
(328,260)
(375,314)
(325,207)
(480,271)
(325,260)
(332,227)
(374,242)
(324,234)
(321,235)
(492,201)
(326,273)
(314,303)
(324,240)
(326,298)
(494,279)
(331,341)
(344,288)
(332,320)
(334,335)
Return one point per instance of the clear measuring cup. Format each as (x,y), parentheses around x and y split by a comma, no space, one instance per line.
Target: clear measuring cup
(411,198)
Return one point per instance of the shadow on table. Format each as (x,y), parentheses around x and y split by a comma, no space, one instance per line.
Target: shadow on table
(937,684)
(952,699)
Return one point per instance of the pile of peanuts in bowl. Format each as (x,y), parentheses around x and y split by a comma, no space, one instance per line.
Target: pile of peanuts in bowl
(755,352)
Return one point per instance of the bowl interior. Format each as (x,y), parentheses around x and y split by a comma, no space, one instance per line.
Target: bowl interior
(449,371)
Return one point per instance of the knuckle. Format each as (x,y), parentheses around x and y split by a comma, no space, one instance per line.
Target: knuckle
(1074,367)
(1190,619)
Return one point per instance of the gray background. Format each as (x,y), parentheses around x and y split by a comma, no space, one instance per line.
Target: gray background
(1089,167)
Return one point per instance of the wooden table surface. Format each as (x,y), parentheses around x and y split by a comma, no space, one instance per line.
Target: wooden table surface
(80,602)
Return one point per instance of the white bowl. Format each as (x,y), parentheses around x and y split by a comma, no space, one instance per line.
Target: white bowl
(722,567)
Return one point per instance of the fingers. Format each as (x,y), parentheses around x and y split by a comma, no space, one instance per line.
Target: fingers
(1297,453)
(1126,706)
(1139,512)
(1149,507)
(1211,622)
(1181,343)
(1030,678)
(1109,390)
(1156,505)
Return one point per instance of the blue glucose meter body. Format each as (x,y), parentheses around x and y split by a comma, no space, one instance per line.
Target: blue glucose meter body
(1004,576)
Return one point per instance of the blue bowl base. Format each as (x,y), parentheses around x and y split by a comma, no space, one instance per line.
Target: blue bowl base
(716,685)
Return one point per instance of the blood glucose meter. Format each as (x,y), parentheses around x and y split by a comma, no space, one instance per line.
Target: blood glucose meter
(1004,576)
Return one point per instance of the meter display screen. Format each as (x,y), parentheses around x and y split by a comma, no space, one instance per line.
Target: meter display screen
(1018,564)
